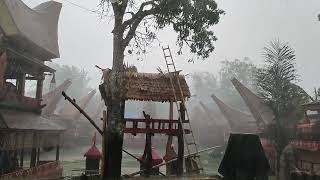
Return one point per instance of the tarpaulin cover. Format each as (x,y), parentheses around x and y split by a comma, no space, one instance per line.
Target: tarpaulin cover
(244,157)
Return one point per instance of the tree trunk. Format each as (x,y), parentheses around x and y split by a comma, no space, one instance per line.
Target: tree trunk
(116,104)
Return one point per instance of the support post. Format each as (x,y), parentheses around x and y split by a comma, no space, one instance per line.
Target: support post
(39,87)
(169,141)
(33,151)
(57,152)
(3,67)
(180,143)
(147,155)
(21,82)
(22,151)
(58,148)
(38,155)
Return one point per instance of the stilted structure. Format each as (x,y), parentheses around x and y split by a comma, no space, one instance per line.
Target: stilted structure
(306,140)
(28,38)
(154,87)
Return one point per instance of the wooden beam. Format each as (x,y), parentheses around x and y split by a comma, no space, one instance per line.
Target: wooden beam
(172,132)
(147,155)
(58,149)
(33,151)
(180,142)
(22,151)
(21,83)
(169,169)
(39,88)
(167,121)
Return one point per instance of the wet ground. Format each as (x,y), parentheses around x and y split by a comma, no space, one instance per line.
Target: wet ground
(74,162)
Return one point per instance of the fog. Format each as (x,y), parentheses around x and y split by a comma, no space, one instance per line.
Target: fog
(85,38)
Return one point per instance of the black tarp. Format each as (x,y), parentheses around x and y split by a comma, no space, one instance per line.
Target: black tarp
(244,158)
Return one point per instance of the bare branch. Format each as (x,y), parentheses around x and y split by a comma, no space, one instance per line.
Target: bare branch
(136,21)
(130,21)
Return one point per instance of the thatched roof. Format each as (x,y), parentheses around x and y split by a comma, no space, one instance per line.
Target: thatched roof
(152,87)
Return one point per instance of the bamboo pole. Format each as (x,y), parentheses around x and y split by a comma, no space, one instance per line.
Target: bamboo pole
(168,162)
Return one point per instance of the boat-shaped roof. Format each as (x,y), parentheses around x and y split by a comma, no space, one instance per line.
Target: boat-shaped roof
(238,121)
(257,105)
(35,30)
(52,98)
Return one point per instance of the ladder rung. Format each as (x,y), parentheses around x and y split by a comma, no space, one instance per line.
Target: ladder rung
(196,156)
(177,90)
(192,143)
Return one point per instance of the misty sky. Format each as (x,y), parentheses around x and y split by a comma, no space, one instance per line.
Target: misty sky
(85,39)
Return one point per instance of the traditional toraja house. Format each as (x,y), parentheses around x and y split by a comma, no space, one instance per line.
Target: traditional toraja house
(306,140)
(79,130)
(240,122)
(257,105)
(154,87)
(28,38)
(212,125)
(70,112)
(52,98)
(261,115)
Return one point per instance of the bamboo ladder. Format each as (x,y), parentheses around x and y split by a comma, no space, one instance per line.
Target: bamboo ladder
(190,142)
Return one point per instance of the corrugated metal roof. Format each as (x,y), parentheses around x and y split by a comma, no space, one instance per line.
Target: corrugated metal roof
(29,121)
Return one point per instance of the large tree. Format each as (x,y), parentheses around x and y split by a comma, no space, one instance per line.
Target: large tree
(276,84)
(136,23)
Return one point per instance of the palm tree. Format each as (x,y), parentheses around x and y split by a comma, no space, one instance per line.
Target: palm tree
(275,82)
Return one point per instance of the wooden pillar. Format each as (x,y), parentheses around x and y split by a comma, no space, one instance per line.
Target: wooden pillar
(3,67)
(22,150)
(38,155)
(170,138)
(180,143)
(147,155)
(58,148)
(170,113)
(39,87)
(21,82)
(33,151)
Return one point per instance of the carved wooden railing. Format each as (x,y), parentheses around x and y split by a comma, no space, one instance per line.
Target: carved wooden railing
(11,100)
(46,168)
(157,126)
